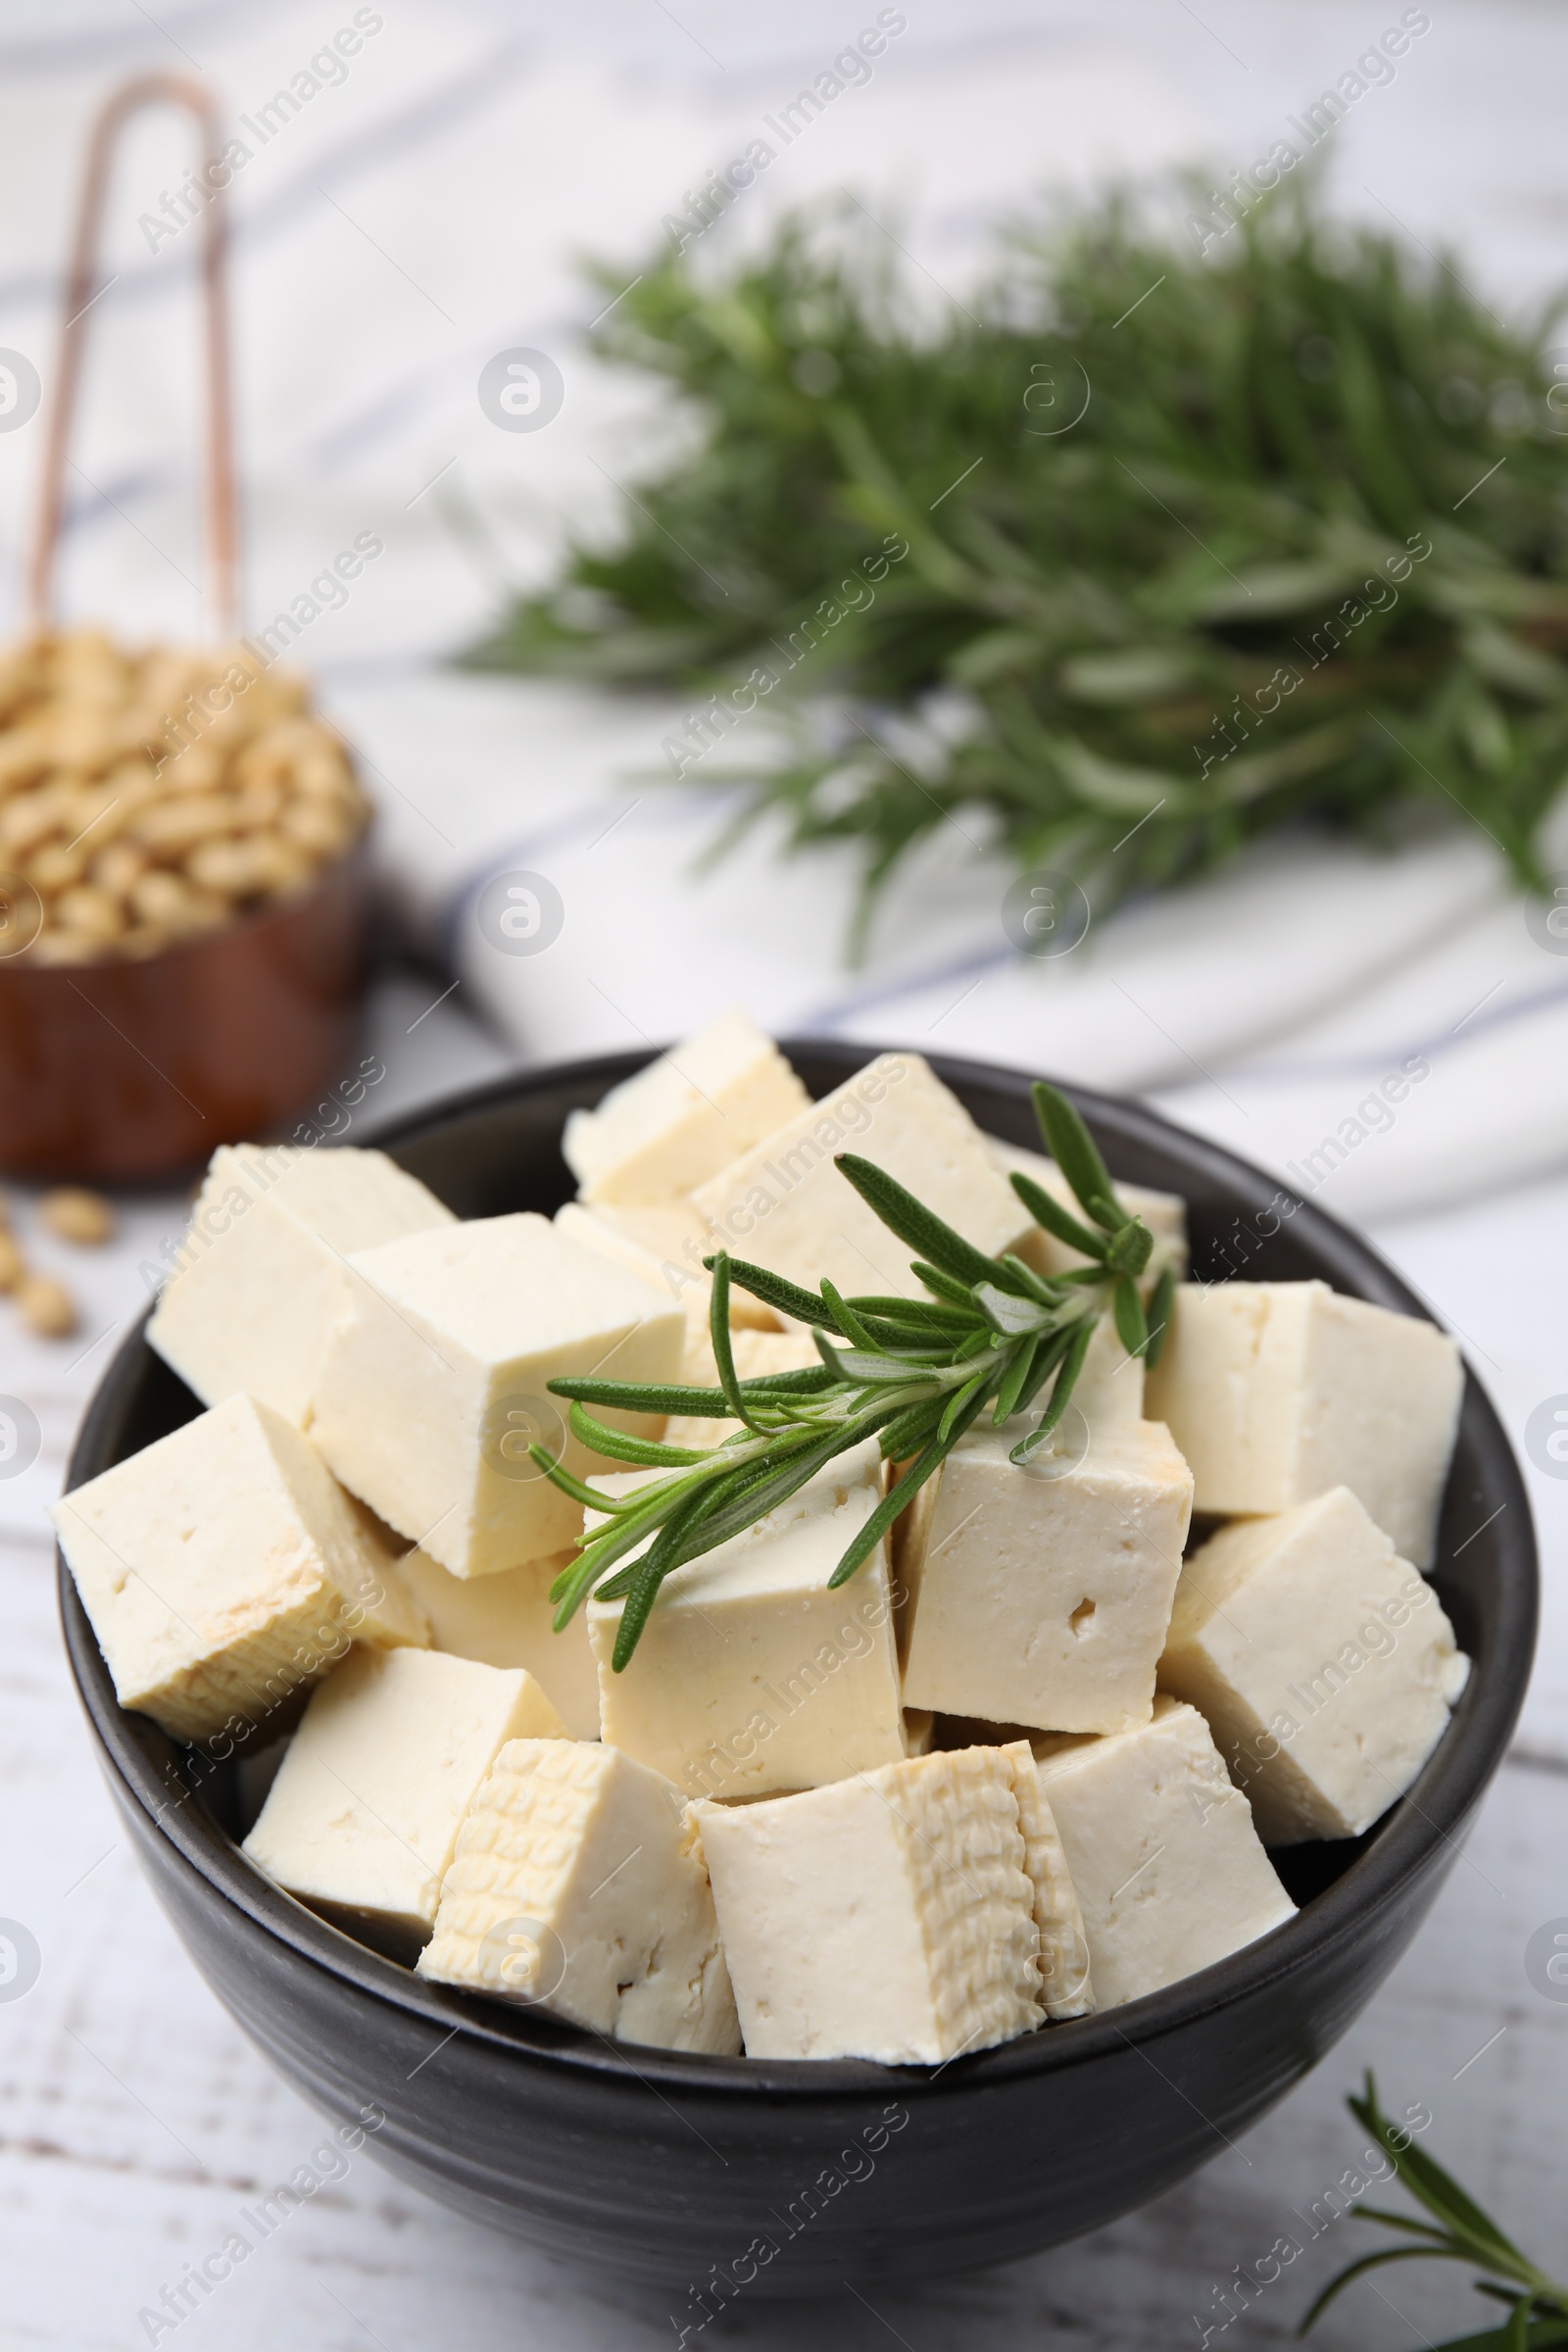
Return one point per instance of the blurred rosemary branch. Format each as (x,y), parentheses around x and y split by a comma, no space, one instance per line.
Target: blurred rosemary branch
(1305,552)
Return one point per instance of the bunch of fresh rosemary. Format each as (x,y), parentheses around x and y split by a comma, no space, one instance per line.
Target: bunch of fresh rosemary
(1304,550)
(1538,2306)
(913,1373)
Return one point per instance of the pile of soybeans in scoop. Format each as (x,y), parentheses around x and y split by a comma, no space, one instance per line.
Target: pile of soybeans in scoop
(149,797)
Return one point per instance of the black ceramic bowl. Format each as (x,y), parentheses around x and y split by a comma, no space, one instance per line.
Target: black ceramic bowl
(792,2178)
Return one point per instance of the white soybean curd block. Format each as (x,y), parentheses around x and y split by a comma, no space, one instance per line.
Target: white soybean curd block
(1165,1862)
(1278,1391)
(890,1916)
(508,1620)
(223,1570)
(438,1370)
(390,1753)
(1045,1600)
(260,1274)
(683,1117)
(750,1675)
(1323,1662)
(579,1885)
(785,1205)
(1164,1213)
(664,1243)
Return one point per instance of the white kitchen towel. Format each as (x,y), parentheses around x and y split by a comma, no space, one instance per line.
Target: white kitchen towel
(1387,1031)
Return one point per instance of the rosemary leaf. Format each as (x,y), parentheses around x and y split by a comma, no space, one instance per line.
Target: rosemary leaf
(1050,1213)
(1161,1299)
(1131,1328)
(774,1290)
(1072,1364)
(723,1352)
(1077,1154)
(919,1227)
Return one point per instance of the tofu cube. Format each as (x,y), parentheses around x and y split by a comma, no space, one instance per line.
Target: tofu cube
(1041,1600)
(260,1274)
(223,1571)
(437,1372)
(889,1916)
(1168,1870)
(664,1243)
(508,1620)
(1278,1391)
(785,1205)
(1164,1213)
(750,1675)
(685,1116)
(1323,1662)
(578,1885)
(362,1817)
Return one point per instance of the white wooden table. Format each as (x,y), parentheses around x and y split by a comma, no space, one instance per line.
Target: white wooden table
(135,2120)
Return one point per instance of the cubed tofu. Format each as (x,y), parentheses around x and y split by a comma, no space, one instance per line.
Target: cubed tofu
(223,1570)
(685,1116)
(508,1620)
(579,1885)
(1323,1662)
(1278,1391)
(1110,1387)
(1164,1213)
(750,1675)
(260,1274)
(889,1916)
(1166,1864)
(665,1243)
(437,1373)
(1045,1600)
(785,1205)
(362,1817)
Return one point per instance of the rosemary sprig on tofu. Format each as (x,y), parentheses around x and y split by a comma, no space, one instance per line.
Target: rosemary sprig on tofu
(913,1373)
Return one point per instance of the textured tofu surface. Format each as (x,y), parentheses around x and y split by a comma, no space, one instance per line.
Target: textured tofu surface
(1044,1602)
(1278,1391)
(389,1755)
(685,1116)
(785,1205)
(1323,1662)
(579,1884)
(224,1569)
(259,1275)
(1168,1866)
(750,1675)
(440,1338)
(1067,1987)
(508,1620)
(890,1916)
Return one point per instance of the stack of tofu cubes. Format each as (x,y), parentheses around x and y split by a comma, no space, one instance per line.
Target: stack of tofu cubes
(1027,1762)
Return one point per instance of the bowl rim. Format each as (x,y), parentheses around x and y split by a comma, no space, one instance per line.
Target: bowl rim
(1403,1847)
